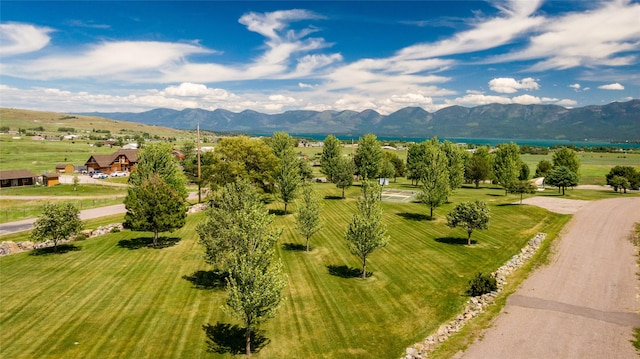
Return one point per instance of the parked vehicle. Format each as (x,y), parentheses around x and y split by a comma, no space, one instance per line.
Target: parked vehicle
(98,175)
(119,174)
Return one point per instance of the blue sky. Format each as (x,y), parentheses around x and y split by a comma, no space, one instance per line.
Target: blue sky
(273,56)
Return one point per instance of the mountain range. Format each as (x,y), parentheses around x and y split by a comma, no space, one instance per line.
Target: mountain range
(617,121)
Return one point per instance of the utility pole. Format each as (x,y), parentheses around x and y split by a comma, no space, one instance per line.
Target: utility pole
(199,172)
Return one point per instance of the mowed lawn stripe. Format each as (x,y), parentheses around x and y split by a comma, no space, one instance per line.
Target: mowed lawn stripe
(136,303)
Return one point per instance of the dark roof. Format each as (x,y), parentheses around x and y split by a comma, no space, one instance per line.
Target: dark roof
(61,165)
(51,175)
(15,174)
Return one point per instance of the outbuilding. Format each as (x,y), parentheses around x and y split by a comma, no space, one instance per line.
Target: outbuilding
(15,178)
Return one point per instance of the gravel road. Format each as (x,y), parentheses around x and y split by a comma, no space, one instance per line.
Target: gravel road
(584,304)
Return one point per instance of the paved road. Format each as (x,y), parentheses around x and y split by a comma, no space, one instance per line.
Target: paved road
(27,224)
(582,305)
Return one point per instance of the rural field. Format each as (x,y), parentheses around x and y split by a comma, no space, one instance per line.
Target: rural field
(113,296)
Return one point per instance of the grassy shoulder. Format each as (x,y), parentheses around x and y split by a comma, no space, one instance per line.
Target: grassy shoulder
(116,297)
(88,196)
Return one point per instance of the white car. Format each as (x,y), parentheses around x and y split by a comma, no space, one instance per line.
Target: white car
(98,175)
(119,174)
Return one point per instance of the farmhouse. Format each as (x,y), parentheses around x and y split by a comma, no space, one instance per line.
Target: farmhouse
(14,178)
(122,160)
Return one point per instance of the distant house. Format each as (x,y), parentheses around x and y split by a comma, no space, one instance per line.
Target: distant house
(14,178)
(122,160)
(130,146)
(64,168)
(50,179)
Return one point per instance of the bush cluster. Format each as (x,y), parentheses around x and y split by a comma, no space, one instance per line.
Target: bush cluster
(481,284)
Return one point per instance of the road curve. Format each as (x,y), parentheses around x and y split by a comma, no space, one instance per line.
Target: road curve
(584,303)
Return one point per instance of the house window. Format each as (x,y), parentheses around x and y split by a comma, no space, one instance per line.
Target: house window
(5,182)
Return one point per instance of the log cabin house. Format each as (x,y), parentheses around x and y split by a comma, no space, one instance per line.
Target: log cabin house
(122,160)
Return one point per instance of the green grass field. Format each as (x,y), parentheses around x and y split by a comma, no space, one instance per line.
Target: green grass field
(113,297)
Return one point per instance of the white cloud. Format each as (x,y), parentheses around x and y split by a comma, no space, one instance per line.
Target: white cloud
(598,37)
(129,61)
(187,89)
(615,86)
(511,85)
(18,38)
(516,18)
(575,86)
(526,99)
(566,103)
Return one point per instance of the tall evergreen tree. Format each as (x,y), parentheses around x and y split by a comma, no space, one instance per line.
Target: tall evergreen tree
(367,233)
(157,159)
(154,206)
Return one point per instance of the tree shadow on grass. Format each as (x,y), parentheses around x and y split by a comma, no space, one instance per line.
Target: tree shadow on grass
(277,212)
(295,247)
(415,216)
(225,338)
(207,279)
(455,240)
(141,242)
(62,248)
(333,197)
(508,204)
(346,271)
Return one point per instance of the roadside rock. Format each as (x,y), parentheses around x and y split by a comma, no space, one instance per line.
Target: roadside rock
(475,305)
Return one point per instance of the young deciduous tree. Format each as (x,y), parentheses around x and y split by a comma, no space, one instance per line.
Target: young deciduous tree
(506,164)
(543,168)
(562,177)
(154,206)
(627,172)
(470,216)
(455,164)
(57,222)
(478,168)
(435,180)
(368,157)
(287,177)
(242,157)
(331,154)
(238,239)
(415,163)
(398,165)
(343,177)
(308,216)
(521,187)
(366,232)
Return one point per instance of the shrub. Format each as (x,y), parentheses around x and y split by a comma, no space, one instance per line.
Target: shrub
(115,230)
(81,237)
(481,284)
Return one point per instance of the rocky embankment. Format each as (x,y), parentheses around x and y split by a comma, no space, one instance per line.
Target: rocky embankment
(475,305)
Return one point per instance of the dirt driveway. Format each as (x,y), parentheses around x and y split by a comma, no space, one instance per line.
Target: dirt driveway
(584,304)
